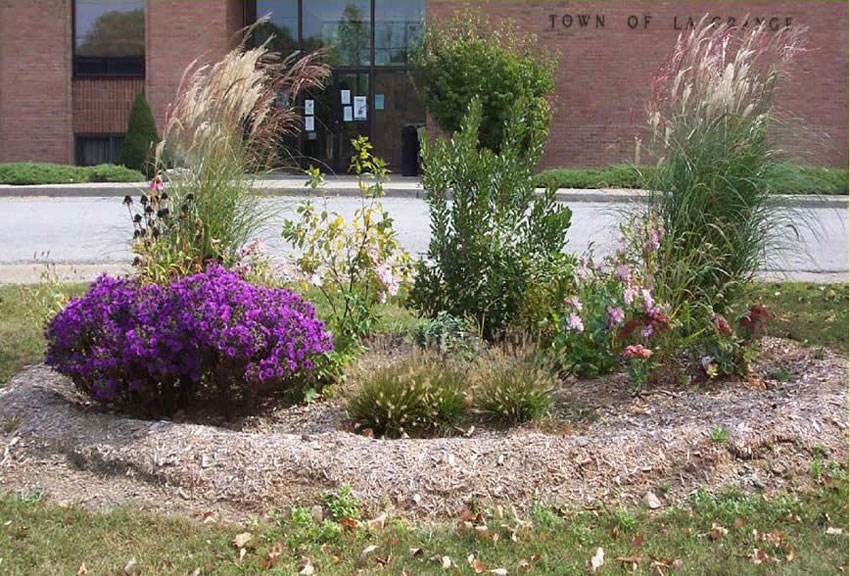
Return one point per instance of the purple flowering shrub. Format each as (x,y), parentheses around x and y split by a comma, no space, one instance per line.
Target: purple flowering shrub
(211,336)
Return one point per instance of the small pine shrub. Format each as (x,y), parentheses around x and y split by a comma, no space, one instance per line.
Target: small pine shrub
(513,387)
(418,395)
(137,151)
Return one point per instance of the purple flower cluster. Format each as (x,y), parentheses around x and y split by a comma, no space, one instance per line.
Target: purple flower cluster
(158,348)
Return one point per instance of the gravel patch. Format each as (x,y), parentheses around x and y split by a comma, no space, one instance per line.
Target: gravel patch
(54,441)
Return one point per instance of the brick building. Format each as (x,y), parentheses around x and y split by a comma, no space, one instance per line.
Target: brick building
(69,69)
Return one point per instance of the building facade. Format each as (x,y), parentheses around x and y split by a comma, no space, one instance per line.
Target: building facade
(69,69)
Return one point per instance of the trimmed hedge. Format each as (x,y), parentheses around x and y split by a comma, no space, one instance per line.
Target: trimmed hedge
(784,179)
(24,173)
(141,137)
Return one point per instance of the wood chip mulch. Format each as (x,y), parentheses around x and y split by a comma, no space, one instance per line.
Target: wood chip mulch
(52,441)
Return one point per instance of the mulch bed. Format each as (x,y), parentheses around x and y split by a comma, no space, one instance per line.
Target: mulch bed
(617,450)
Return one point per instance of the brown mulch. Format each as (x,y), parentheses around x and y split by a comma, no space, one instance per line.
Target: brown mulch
(620,448)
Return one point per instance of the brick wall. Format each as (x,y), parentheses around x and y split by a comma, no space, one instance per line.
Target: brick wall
(178,32)
(604,74)
(102,105)
(35,89)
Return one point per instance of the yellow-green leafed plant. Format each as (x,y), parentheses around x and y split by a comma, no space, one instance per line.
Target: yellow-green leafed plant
(417,395)
(356,264)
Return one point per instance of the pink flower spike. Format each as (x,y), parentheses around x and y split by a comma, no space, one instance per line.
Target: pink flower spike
(574,323)
(647,299)
(615,316)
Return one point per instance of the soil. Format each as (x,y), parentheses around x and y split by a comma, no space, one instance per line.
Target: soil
(603,447)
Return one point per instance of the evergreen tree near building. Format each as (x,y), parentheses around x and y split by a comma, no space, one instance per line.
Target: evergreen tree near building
(141,137)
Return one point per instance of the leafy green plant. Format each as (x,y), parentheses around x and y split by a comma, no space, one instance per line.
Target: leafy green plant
(303,528)
(137,150)
(710,116)
(419,394)
(342,504)
(446,334)
(513,386)
(472,57)
(719,435)
(491,233)
(356,265)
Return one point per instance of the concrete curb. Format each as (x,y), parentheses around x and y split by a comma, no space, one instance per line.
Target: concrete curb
(402,190)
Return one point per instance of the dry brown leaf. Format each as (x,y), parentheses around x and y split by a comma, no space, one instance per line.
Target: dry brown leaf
(761,557)
(416,552)
(597,560)
(377,523)
(241,540)
(499,572)
(195,572)
(476,564)
(717,531)
(82,571)
(789,554)
(130,567)
(242,553)
(831,530)
(307,569)
(364,554)
(349,523)
(446,562)
(523,566)
(637,541)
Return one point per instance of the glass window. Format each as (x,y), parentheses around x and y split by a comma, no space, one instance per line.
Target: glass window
(342,27)
(100,149)
(109,37)
(399,25)
(283,24)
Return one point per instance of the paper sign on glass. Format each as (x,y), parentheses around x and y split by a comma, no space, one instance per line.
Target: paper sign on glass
(309,123)
(379,101)
(359,107)
(309,107)
(346,97)
(347,115)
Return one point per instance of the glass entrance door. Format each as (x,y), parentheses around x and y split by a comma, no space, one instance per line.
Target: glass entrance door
(335,116)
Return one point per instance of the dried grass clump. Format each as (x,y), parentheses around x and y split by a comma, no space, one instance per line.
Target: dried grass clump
(513,385)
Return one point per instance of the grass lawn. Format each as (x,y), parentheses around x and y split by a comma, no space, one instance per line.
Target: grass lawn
(784,179)
(21,173)
(814,314)
(710,535)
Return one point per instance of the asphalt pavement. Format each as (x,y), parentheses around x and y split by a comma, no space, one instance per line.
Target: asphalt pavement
(89,234)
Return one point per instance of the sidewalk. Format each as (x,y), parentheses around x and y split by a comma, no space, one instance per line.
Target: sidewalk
(397,187)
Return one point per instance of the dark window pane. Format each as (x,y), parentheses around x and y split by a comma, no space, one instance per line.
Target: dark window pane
(398,28)
(110,28)
(93,150)
(342,27)
(282,24)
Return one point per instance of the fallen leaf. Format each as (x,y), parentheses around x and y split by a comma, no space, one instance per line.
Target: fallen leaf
(523,566)
(739,523)
(195,572)
(82,571)
(637,541)
(476,564)
(130,567)
(377,523)
(240,540)
(597,560)
(349,523)
(651,500)
(242,553)
(717,531)
(499,572)
(831,530)
(335,559)
(446,562)
(761,557)
(416,552)
(368,433)
(307,570)
(364,555)
(789,554)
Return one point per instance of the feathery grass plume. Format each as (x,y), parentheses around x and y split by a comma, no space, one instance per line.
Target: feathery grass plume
(223,129)
(710,116)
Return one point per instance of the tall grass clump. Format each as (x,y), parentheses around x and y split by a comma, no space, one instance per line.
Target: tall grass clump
(710,115)
(225,127)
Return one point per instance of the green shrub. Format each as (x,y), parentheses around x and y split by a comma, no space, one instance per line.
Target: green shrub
(342,504)
(473,57)
(137,151)
(492,235)
(420,394)
(710,118)
(512,386)
(788,178)
(28,173)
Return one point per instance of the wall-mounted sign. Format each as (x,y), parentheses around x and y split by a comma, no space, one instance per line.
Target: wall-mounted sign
(310,123)
(645,21)
(309,107)
(360,107)
(345,96)
(347,114)
(379,101)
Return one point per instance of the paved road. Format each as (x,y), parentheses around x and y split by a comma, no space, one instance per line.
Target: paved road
(91,233)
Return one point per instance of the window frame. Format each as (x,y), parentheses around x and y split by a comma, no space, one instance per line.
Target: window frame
(110,137)
(105,61)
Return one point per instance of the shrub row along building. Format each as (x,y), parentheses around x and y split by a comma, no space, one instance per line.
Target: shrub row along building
(69,69)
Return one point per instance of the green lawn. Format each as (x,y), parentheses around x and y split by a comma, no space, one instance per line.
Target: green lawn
(710,535)
(21,173)
(815,314)
(784,179)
